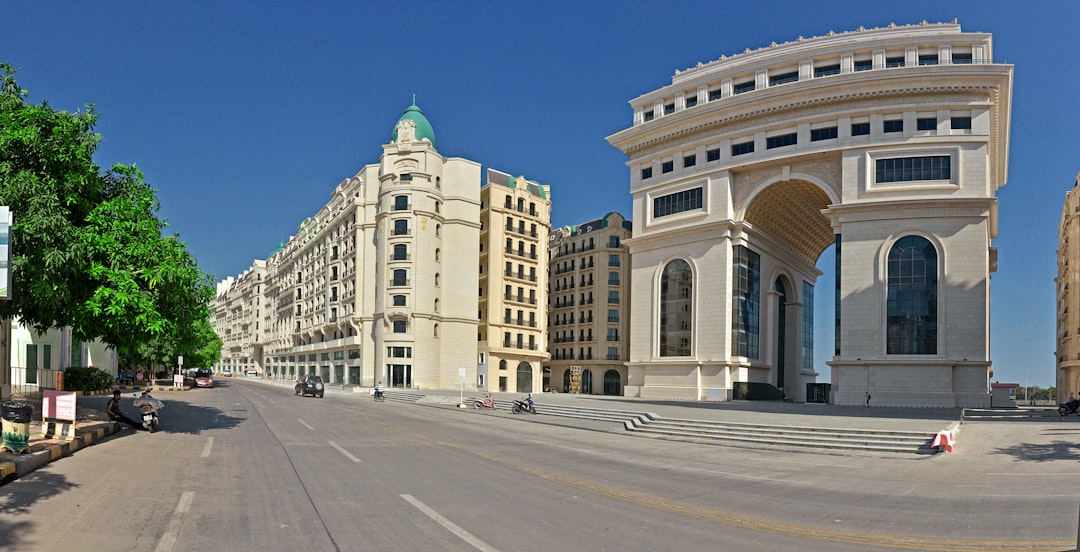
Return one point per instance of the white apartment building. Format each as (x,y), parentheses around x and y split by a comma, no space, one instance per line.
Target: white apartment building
(379,285)
(887,143)
(589,306)
(1068,297)
(513,283)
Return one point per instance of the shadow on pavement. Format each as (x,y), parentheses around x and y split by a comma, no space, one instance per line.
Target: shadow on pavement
(178,415)
(41,485)
(1043,452)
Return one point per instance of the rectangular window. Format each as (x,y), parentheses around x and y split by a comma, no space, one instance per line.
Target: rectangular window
(613,278)
(864,65)
(613,241)
(612,315)
(689,161)
(613,334)
(613,297)
(807,326)
(819,134)
(677,202)
(646,173)
(927,123)
(715,95)
(908,169)
(354,353)
(826,70)
(742,87)
(960,123)
(667,166)
(928,59)
(860,129)
(781,141)
(613,353)
(712,155)
(691,101)
(893,126)
(775,80)
(669,109)
(746,302)
(961,58)
(742,149)
(894,61)
(648,116)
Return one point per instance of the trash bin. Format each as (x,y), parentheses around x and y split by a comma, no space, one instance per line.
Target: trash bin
(16,426)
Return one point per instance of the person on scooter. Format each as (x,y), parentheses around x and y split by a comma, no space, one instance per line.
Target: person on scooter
(378,390)
(113,409)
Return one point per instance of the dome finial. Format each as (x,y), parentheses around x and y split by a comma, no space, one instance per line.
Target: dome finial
(414,99)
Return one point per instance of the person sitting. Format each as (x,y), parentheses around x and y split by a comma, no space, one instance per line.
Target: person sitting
(113,409)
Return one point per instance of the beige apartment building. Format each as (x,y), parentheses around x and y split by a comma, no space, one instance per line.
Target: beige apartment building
(515,220)
(589,306)
(887,145)
(1068,296)
(379,285)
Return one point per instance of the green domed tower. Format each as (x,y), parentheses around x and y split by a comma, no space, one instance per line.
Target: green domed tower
(417,125)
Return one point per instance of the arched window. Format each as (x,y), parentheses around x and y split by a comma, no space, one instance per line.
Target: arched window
(436,332)
(401,277)
(612,383)
(502,365)
(401,227)
(912,297)
(438,230)
(524,377)
(401,203)
(436,279)
(586,382)
(436,305)
(676,283)
(438,255)
(401,252)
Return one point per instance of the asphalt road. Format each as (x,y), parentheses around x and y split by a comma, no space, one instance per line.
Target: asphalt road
(247,466)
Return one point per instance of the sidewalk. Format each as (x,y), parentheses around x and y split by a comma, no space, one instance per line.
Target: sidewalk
(92,425)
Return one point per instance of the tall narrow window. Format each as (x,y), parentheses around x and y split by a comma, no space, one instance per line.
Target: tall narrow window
(746,302)
(912,297)
(676,300)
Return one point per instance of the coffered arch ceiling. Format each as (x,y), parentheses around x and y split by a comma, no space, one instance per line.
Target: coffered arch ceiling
(790,212)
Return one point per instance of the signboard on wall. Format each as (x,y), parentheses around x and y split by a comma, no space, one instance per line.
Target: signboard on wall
(575,379)
(5,252)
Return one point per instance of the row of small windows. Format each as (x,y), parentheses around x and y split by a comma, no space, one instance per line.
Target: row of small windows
(678,202)
(907,169)
(819,71)
(817,134)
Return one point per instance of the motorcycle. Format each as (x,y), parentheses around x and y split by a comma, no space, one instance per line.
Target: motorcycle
(488,402)
(148,406)
(380,395)
(1070,407)
(523,405)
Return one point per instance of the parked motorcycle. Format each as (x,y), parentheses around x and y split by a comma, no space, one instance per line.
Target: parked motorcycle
(148,406)
(1070,407)
(488,402)
(523,405)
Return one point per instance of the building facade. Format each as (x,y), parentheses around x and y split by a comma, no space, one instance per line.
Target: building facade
(589,306)
(237,310)
(379,285)
(513,283)
(1067,283)
(887,144)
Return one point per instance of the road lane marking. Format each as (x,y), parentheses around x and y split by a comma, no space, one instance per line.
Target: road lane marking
(206,448)
(172,532)
(343,451)
(451,526)
(305,424)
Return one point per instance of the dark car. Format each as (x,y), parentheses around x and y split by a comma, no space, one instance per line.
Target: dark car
(204,378)
(309,385)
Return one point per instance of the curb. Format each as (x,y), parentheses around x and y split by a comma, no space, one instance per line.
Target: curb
(24,464)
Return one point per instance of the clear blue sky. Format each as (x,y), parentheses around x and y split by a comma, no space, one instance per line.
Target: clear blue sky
(245,115)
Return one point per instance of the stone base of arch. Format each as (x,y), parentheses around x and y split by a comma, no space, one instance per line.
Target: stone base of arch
(911,383)
(690,380)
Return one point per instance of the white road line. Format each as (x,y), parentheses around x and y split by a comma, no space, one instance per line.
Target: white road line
(465,535)
(206,448)
(172,532)
(305,424)
(343,451)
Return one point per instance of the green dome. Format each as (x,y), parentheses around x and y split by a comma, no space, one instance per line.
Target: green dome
(423,127)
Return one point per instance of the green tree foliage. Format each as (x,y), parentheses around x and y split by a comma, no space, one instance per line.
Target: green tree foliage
(88,249)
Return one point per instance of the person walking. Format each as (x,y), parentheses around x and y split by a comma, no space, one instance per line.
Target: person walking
(867,399)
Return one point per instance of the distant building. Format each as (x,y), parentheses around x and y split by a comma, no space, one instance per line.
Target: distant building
(589,306)
(515,217)
(1068,296)
(888,143)
(379,285)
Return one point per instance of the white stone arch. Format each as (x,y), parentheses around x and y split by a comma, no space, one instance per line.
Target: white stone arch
(785,175)
(695,290)
(942,291)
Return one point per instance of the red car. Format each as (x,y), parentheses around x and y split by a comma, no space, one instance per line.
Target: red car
(204,378)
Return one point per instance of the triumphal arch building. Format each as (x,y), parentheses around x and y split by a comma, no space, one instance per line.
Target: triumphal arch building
(888,146)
